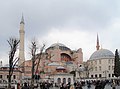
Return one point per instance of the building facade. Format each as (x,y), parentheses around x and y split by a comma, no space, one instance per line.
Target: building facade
(58,62)
(57,59)
(4,74)
(101,63)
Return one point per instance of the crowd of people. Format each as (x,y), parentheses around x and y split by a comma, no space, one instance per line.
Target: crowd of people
(77,85)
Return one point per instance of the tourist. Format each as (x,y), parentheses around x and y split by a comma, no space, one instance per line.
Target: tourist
(88,84)
(62,86)
(113,85)
(72,87)
(25,86)
(68,85)
(18,85)
(98,86)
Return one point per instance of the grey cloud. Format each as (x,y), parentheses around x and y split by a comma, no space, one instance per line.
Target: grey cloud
(88,15)
(41,15)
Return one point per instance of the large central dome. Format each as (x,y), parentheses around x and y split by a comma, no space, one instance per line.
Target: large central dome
(60,46)
(57,44)
(102,54)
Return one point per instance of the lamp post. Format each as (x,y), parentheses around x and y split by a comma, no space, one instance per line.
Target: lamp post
(80,70)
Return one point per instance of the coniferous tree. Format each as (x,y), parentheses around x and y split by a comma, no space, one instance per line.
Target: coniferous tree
(117,64)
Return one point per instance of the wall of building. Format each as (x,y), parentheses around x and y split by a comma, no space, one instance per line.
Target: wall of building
(102,68)
(62,76)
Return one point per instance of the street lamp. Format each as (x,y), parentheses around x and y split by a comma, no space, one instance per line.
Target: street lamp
(80,70)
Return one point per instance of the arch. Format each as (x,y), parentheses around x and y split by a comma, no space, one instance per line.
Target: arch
(59,80)
(65,57)
(64,80)
(69,80)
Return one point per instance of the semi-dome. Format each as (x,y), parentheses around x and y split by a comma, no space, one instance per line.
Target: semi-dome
(102,54)
(53,64)
(60,68)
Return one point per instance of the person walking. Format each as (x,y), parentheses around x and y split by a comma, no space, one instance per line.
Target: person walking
(18,85)
(113,85)
(25,86)
(98,85)
(72,87)
(68,85)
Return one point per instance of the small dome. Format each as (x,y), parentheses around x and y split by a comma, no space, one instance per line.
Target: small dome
(102,54)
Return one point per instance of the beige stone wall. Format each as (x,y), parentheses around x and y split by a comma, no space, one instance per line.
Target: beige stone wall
(105,67)
(4,72)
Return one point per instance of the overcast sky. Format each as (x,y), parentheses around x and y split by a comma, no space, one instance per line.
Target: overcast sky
(74,23)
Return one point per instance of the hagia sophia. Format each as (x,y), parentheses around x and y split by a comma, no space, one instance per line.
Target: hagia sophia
(58,63)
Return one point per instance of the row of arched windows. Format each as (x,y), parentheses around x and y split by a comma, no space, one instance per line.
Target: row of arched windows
(64,80)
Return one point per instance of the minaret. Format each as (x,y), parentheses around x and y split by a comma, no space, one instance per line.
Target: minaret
(97,46)
(21,47)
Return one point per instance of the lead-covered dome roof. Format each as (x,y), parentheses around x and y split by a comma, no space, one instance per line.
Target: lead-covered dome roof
(59,45)
(102,54)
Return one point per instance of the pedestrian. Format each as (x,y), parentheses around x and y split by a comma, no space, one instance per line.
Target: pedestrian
(75,84)
(68,85)
(103,83)
(80,86)
(113,85)
(89,85)
(25,86)
(62,86)
(98,85)
(72,87)
(18,85)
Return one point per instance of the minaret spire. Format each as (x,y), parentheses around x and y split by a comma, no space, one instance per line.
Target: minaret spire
(97,46)
(21,47)
(22,20)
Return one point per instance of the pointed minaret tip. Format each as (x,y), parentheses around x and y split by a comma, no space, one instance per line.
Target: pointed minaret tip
(97,46)
(22,20)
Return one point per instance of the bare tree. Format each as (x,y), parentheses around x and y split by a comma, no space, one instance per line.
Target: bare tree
(13,43)
(33,53)
(35,56)
(39,57)
(87,68)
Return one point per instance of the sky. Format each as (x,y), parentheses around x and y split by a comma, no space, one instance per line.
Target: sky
(74,23)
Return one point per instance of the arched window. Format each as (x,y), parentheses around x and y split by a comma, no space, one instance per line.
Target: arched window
(99,68)
(108,67)
(64,80)
(65,57)
(95,75)
(69,80)
(59,80)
